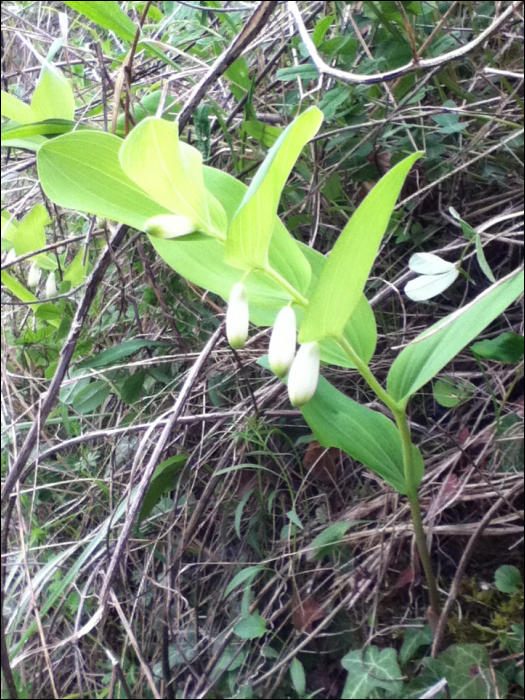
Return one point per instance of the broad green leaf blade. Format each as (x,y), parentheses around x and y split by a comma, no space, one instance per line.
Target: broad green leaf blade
(107,15)
(82,171)
(13,108)
(251,627)
(506,347)
(30,235)
(76,271)
(169,170)
(371,670)
(47,127)
(364,434)
(17,289)
(360,330)
(434,348)
(343,279)
(298,677)
(91,397)
(251,228)
(285,252)
(53,97)
(200,258)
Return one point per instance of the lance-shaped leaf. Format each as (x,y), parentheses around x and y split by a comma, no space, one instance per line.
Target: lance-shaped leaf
(171,172)
(366,435)
(342,281)
(251,229)
(53,97)
(107,15)
(82,171)
(434,348)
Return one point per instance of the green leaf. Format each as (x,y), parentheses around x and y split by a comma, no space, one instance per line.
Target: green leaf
(82,171)
(200,258)
(251,229)
(53,97)
(507,347)
(147,107)
(91,397)
(433,349)
(116,354)
(329,539)
(470,674)
(30,235)
(342,281)
(131,390)
(298,677)
(107,15)
(13,108)
(163,481)
(19,291)
(482,260)
(413,640)
(244,576)
(264,133)
(171,172)
(76,272)
(47,127)
(507,579)
(360,330)
(366,435)
(449,393)
(370,670)
(305,72)
(251,627)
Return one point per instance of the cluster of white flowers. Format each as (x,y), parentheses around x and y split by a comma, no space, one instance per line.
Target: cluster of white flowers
(302,368)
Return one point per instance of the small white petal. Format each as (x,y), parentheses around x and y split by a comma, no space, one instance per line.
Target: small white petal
(282,343)
(169,226)
(429,264)
(33,276)
(51,286)
(304,374)
(10,257)
(237,316)
(428,286)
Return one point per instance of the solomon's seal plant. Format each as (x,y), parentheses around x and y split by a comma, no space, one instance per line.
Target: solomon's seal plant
(227,238)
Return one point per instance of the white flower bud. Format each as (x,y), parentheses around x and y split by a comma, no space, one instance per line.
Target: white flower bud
(51,286)
(10,257)
(237,316)
(33,276)
(169,226)
(282,342)
(304,374)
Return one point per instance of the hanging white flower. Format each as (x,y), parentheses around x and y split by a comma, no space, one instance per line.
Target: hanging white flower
(51,286)
(10,257)
(282,342)
(33,276)
(436,275)
(237,316)
(169,226)
(304,374)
